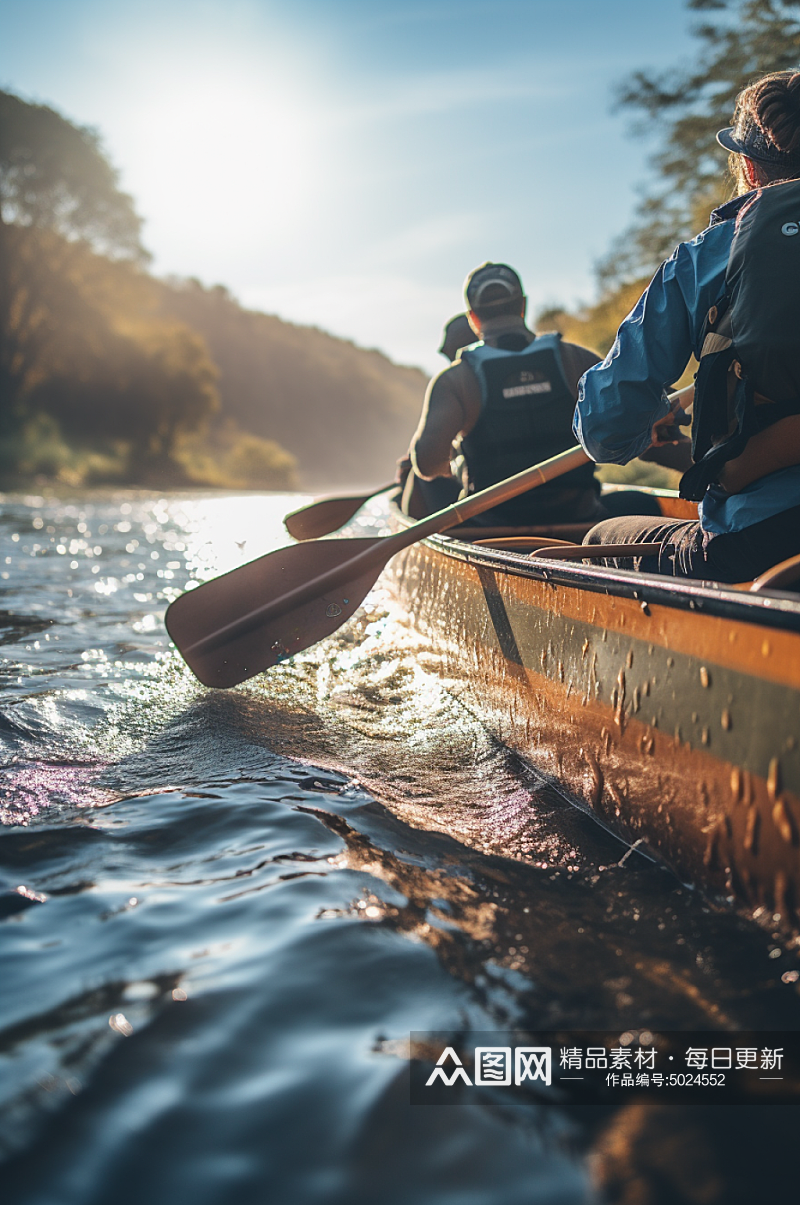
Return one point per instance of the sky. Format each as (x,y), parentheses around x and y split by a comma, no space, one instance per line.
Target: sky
(345,163)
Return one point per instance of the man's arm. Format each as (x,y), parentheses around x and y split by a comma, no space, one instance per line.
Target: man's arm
(776,447)
(443,418)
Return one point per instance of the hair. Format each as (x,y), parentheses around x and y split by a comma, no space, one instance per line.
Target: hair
(772,103)
(496,305)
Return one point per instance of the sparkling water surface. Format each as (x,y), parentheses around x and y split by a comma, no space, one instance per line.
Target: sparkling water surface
(222,913)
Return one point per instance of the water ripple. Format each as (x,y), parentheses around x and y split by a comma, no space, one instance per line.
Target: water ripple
(224,913)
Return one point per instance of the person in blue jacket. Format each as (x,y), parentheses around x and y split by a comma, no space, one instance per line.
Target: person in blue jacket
(749,514)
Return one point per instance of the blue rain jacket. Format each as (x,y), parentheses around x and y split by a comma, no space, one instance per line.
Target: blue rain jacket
(621,398)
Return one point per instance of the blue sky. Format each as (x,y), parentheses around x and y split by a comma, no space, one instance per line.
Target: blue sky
(345,163)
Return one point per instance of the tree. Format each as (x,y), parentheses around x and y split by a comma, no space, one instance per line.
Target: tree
(99,357)
(739,40)
(53,174)
(54,180)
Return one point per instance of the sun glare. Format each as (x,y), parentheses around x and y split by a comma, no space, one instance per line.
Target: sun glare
(230,143)
(222,533)
(222,148)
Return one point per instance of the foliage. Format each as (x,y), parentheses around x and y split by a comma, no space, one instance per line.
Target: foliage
(54,175)
(595,326)
(58,198)
(115,385)
(90,350)
(255,463)
(107,374)
(37,449)
(344,413)
(738,41)
(639,472)
(235,459)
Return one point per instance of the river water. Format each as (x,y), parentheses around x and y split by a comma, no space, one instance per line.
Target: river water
(222,914)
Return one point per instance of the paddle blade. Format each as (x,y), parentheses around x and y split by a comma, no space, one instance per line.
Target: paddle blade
(327,515)
(196,620)
(321,518)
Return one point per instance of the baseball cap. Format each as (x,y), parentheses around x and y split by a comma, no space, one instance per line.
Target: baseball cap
(749,139)
(489,274)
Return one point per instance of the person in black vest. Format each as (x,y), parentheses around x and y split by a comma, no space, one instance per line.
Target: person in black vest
(730,297)
(506,403)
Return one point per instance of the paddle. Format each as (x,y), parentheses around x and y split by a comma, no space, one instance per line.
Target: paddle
(238,625)
(327,515)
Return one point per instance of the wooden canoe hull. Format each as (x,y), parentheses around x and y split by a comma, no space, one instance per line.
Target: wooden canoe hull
(669,709)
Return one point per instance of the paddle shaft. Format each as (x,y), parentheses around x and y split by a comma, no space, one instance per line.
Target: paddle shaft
(384,549)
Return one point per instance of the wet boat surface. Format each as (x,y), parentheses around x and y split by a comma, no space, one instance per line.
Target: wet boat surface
(667,707)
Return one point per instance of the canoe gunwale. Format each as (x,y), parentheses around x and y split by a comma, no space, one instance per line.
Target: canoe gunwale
(771,608)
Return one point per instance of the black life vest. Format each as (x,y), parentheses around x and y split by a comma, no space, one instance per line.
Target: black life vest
(749,372)
(526,416)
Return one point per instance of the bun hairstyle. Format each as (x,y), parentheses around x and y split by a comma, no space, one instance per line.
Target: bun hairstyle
(776,108)
(772,106)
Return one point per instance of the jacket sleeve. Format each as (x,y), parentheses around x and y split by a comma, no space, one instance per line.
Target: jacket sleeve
(621,398)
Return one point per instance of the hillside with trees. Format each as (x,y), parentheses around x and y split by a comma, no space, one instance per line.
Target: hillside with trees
(108,375)
(346,414)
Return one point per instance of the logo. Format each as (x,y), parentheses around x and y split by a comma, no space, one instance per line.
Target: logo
(790,228)
(524,390)
(440,1073)
(590,1066)
(532,1063)
(493,1066)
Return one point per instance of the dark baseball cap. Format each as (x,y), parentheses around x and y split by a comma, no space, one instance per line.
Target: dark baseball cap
(489,274)
(750,140)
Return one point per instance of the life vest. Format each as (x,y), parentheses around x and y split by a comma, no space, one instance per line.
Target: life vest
(749,371)
(526,416)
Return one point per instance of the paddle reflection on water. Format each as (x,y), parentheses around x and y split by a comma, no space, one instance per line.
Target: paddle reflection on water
(247,900)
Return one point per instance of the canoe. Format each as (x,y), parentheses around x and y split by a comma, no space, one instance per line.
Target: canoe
(668,708)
